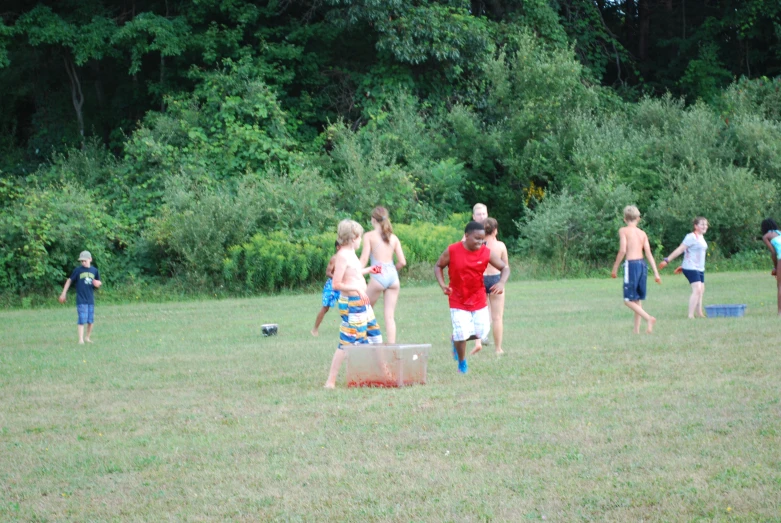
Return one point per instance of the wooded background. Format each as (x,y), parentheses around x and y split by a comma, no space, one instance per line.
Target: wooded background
(194,139)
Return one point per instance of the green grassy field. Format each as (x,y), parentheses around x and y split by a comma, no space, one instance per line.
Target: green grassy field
(182,411)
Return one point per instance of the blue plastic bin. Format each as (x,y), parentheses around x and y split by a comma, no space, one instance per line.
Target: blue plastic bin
(725,311)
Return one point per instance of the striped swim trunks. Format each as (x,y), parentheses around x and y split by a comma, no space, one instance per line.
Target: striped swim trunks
(359,325)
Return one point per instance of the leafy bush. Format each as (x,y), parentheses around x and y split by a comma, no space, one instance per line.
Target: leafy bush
(733,199)
(758,145)
(759,97)
(43,231)
(272,261)
(566,227)
(301,202)
(425,242)
(395,161)
(230,123)
(195,226)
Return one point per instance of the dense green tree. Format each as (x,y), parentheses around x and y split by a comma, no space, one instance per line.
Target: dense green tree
(199,128)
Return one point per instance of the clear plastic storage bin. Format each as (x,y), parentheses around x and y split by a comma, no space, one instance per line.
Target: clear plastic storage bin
(383,365)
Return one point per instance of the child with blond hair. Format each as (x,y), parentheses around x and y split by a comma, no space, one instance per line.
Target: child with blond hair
(359,326)
(633,243)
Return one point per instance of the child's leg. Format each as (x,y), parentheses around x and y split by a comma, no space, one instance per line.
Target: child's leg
(640,313)
(81,333)
(373,291)
(319,320)
(389,310)
(699,301)
(696,296)
(89,333)
(778,281)
(497,315)
(461,349)
(336,363)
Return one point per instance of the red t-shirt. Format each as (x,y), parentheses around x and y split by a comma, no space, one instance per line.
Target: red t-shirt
(466,270)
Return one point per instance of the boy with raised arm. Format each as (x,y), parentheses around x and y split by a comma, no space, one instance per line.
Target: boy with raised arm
(633,242)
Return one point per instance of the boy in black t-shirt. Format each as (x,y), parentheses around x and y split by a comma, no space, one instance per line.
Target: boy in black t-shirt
(86,279)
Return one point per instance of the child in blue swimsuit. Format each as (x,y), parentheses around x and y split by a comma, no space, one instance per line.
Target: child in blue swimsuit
(330,296)
(772,238)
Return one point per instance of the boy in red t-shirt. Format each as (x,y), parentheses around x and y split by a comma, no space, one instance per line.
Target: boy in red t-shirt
(466,261)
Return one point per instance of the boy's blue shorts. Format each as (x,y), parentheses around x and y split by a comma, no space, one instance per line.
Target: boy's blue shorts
(86,313)
(635,276)
(694,276)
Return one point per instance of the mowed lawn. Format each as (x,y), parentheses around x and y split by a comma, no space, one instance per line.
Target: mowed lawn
(184,412)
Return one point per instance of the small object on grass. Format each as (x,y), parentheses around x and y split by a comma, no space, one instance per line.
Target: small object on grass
(269,329)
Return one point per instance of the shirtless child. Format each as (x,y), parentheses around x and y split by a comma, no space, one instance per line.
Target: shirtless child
(479,215)
(633,242)
(359,325)
(491,277)
(379,246)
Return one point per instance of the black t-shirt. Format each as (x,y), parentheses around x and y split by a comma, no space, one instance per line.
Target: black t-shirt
(82,278)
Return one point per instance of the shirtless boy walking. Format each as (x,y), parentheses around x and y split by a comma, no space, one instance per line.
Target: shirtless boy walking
(633,242)
(359,325)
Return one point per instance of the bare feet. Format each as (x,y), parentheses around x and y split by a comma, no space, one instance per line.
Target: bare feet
(314,332)
(478,348)
(651,323)
(81,342)
(329,386)
(88,340)
(499,351)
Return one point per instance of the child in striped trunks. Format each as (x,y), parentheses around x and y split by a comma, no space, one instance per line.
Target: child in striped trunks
(359,325)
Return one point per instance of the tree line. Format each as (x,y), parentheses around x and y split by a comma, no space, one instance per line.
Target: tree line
(166,135)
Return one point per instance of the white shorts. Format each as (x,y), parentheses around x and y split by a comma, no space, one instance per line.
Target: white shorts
(468,324)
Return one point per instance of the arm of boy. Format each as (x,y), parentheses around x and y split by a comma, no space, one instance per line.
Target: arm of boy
(329,270)
(677,252)
(63,296)
(621,252)
(498,262)
(442,263)
(650,256)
